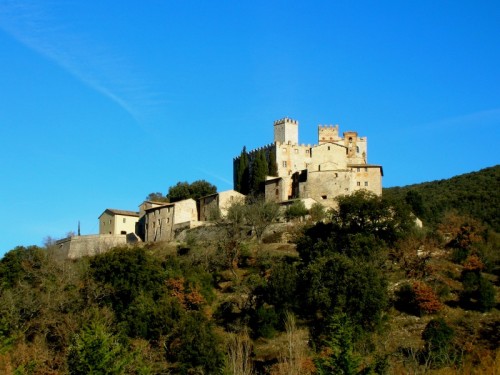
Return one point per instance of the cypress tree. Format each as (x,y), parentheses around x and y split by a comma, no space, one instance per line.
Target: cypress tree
(259,172)
(242,173)
(272,166)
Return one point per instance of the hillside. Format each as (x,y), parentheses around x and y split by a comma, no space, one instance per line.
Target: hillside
(476,194)
(361,291)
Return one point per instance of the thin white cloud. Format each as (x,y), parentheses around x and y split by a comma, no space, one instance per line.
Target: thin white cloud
(217,177)
(33,25)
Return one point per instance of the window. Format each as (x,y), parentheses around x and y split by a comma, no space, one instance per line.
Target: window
(366,169)
(359,169)
(357,149)
(328,148)
(336,174)
(124,220)
(123,232)
(323,197)
(307,151)
(366,183)
(358,183)
(277,192)
(284,164)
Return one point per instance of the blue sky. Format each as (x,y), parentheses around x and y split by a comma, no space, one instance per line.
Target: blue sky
(102,103)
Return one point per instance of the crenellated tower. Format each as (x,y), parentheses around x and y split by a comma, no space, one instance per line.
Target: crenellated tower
(286,131)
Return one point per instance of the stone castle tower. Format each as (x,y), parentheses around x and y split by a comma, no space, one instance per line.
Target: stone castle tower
(286,131)
(336,165)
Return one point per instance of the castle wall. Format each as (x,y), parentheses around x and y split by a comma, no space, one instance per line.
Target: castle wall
(367,177)
(90,245)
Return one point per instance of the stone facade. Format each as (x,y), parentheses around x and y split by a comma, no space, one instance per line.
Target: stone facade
(159,223)
(219,203)
(114,221)
(337,165)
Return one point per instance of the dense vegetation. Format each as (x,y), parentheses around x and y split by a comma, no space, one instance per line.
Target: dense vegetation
(355,290)
(475,194)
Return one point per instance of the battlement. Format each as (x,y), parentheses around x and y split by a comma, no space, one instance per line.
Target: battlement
(286,120)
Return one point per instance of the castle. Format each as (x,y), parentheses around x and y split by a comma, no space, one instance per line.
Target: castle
(335,166)
(318,173)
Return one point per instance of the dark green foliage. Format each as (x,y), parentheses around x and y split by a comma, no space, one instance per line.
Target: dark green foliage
(282,287)
(364,212)
(259,171)
(194,346)
(272,166)
(438,337)
(242,173)
(264,322)
(127,272)
(415,201)
(96,351)
(295,210)
(478,292)
(338,284)
(338,355)
(475,194)
(21,264)
(157,197)
(195,190)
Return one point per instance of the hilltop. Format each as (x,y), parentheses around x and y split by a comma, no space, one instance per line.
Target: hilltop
(476,194)
(356,290)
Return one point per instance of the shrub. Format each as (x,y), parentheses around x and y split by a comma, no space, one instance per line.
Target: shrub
(438,337)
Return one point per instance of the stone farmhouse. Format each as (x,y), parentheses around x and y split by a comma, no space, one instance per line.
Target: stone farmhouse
(337,165)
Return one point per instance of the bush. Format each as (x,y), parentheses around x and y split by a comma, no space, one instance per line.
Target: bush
(438,337)
(418,299)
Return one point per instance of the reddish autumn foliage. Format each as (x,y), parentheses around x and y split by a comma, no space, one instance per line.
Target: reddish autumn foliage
(426,299)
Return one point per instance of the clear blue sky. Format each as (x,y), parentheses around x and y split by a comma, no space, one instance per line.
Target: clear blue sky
(103,102)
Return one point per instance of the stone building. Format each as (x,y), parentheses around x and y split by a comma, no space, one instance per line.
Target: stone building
(114,221)
(337,165)
(216,204)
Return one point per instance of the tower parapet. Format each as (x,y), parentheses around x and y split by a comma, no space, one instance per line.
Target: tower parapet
(286,130)
(328,134)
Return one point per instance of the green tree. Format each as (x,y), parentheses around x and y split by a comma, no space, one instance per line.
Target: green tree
(242,175)
(260,214)
(195,190)
(259,172)
(296,210)
(272,166)
(157,197)
(438,337)
(338,355)
(22,264)
(96,351)
(194,345)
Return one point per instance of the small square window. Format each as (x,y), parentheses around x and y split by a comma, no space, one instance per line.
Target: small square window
(366,183)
